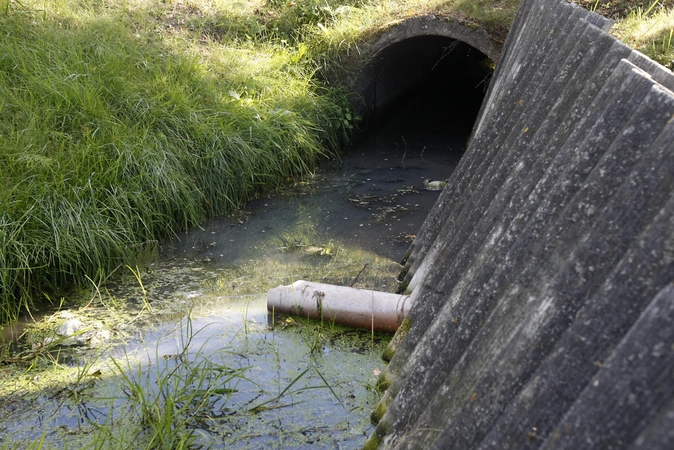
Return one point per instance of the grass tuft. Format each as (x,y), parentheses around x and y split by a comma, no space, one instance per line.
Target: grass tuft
(651,31)
(166,406)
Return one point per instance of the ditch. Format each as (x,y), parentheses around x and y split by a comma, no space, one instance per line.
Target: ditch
(184,353)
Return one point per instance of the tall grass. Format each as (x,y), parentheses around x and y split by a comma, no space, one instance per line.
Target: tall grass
(113,135)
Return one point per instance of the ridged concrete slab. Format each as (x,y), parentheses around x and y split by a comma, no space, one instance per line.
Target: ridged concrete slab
(547,264)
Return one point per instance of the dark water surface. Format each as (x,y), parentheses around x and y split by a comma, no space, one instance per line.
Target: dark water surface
(375,198)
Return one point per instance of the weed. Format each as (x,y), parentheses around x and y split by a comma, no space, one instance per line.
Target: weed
(169,403)
(265,405)
(136,274)
(316,339)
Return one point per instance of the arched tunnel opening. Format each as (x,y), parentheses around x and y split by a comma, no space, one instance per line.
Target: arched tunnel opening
(425,88)
(420,98)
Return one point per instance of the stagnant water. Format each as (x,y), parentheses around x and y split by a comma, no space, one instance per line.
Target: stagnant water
(289,383)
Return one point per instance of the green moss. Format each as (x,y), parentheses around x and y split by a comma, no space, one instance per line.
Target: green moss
(381,409)
(401,333)
(388,353)
(384,381)
(405,327)
(404,262)
(402,288)
(373,442)
(376,438)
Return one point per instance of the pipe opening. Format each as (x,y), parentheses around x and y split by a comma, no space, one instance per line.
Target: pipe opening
(420,99)
(427,89)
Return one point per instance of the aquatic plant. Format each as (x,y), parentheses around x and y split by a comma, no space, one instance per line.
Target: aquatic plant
(168,403)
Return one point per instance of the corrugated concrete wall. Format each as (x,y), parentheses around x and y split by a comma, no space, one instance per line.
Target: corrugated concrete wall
(544,277)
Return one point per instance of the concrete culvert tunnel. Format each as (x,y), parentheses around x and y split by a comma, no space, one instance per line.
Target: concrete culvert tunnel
(420,96)
(428,89)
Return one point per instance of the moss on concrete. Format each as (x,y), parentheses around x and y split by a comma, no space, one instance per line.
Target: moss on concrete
(392,347)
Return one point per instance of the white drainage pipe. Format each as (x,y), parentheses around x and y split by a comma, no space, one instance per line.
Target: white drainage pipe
(360,308)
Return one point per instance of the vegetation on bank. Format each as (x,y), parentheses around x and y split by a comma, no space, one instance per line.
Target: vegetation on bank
(645,25)
(115,131)
(122,121)
(651,31)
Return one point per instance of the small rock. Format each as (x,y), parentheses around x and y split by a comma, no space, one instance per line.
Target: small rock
(434,185)
(65,314)
(70,327)
(98,337)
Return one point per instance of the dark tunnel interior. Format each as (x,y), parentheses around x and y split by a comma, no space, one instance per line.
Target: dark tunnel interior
(421,98)
(425,88)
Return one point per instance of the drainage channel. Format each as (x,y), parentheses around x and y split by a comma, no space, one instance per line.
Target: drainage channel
(196,320)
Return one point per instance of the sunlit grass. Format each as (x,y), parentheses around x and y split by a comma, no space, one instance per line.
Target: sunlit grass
(651,31)
(115,133)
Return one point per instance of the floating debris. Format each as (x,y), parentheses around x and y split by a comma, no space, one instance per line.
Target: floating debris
(434,185)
